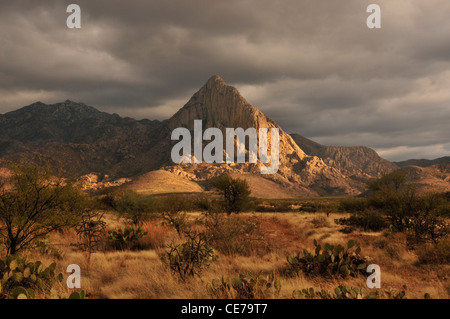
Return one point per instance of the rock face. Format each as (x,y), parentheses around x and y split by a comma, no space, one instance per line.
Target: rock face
(88,142)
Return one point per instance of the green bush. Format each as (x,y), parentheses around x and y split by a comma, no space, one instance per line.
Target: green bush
(332,261)
(22,278)
(247,286)
(126,236)
(235,192)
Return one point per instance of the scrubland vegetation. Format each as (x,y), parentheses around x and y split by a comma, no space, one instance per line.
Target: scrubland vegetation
(226,245)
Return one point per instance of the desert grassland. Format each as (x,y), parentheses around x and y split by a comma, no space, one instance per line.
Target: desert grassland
(141,274)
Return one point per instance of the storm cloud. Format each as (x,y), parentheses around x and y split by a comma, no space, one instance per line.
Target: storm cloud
(313,66)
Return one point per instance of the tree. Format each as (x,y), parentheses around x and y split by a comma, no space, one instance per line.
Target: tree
(34,203)
(235,191)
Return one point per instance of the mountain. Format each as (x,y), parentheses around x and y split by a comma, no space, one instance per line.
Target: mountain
(359,162)
(78,137)
(423,162)
(220,105)
(108,150)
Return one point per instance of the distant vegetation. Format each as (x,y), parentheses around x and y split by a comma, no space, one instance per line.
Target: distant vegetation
(395,203)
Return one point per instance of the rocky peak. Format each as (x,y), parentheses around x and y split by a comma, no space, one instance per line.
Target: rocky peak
(221,105)
(214,81)
(218,105)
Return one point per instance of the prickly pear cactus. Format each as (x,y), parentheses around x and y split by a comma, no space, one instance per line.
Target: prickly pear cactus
(329,261)
(247,286)
(80,294)
(20,278)
(123,237)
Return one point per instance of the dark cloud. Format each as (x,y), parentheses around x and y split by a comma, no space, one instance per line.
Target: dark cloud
(312,66)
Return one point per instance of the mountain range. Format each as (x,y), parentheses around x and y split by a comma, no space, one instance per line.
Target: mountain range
(423,162)
(109,150)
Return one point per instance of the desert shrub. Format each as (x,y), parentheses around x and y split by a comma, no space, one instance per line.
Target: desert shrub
(233,235)
(174,203)
(392,250)
(156,237)
(332,261)
(346,292)
(205,204)
(189,258)
(126,237)
(130,205)
(172,209)
(426,227)
(319,221)
(435,253)
(247,286)
(352,205)
(22,278)
(369,220)
(91,230)
(235,192)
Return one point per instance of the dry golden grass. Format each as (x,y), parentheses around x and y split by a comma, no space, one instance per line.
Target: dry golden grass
(142,274)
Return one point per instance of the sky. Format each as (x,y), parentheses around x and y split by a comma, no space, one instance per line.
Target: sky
(313,66)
